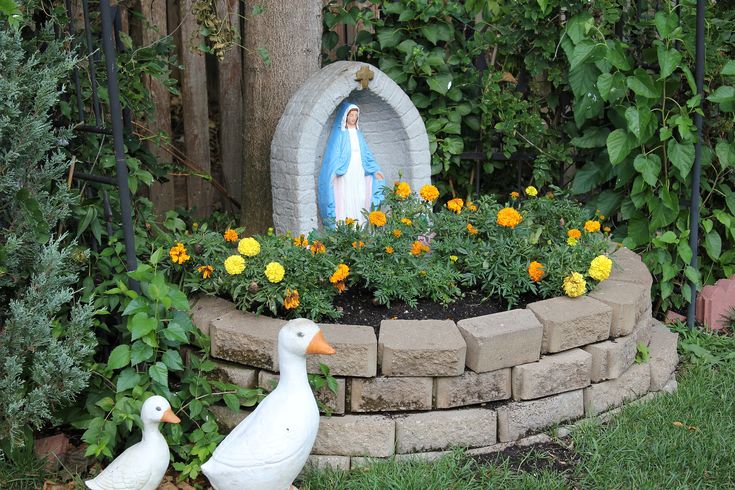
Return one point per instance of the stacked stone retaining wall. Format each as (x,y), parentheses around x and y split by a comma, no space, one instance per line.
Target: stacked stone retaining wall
(424,386)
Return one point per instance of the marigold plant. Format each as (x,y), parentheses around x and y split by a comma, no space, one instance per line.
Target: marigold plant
(574,233)
(230,235)
(274,272)
(234,264)
(531,191)
(509,217)
(178,254)
(291,301)
(536,271)
(591,226)
(429,193)
(574,285)
(249,247)
(206,271)
(377,218)
(403,190)
(340,274)
(471,229)
(600,268)
(455,205)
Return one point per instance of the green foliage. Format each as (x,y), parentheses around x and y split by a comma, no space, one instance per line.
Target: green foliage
(44,333)
(155,349)
(642,353)
(406,251)
(640,136)
(707,348)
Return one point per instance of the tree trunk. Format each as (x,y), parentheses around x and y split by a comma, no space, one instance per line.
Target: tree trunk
(291,34)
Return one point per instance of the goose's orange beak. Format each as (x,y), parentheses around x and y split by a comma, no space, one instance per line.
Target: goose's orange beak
(170,417)
(319,345)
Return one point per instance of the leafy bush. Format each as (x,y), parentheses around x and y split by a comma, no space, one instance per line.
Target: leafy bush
(405,251)
(44,333)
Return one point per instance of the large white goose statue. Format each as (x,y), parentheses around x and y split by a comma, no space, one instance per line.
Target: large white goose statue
(268,449)
(142,465)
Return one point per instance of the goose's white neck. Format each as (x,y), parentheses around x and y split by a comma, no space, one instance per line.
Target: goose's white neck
(151,432)
(292,369)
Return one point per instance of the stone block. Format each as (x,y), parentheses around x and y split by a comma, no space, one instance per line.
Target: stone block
(356,435)
(246,338)
(628,302)
(320,462)
(362,462)
(663,356)
(472,388)
(628,267)
(571,322)
(390,394)
(357,351)
(421,348)
(517,419)
(501,340)
(474,427)
(643,329)
(715,302)
(226,418)
(671,385)
(552,374)
(612,358)
(208,308)
(335,402)
(235,374)
(427,456)
(634,383)
(53,449)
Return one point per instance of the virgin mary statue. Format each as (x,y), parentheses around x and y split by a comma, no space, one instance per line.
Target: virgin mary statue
(350,179)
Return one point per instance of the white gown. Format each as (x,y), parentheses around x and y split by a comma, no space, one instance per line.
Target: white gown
(351,196)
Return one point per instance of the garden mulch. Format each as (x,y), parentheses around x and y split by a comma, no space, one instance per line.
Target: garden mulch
(547,456)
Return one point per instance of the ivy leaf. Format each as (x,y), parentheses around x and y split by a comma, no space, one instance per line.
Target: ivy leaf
(643,85)
(725,93)
(616,55)
(668,237)
(581,53)
(725,154)
(175,333)
(389,38)
(172,360)
(589,176)
(668,60)
(612,87)
(638,120)
(119,357)
(232,401)
(666,23)
(127,380)
(638,229)
(440,82)
(453,145)
(437,32)
(729,68)
(140,352)
(141,324)
(594,137)
(619,145)
(159,373)
(713,245)
(578,27)
(681,156)
(649,166)
(684,251)
(583,79)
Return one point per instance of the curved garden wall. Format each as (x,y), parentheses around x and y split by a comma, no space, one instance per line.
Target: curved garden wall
(424,386)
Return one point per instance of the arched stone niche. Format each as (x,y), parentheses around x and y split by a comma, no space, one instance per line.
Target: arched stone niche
(390,122)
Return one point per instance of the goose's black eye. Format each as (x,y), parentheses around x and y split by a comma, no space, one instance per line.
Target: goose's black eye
(158,409)
(300,334)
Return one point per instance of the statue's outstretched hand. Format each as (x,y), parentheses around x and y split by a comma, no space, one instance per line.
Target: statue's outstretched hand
(380,175)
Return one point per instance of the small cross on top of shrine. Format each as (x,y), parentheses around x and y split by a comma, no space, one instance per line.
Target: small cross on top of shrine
(364,75)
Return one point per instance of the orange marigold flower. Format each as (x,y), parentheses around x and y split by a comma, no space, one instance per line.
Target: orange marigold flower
(509,217)
(230,235)
(418,247)
(349,221)
(377,218)
(607,229)
(406,221)
(291,300)
(317,248)
(388,249)
(472,206)
(178,253)
(514,195)
(358,245)
(471,229)
(429,193)
(536,271)
(397,233)
(206,271)
(340,285)
(574,233)
(591,226)
(403,190)
(455,205)
(340,274)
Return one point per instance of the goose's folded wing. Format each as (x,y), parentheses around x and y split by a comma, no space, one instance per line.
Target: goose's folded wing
(128,471)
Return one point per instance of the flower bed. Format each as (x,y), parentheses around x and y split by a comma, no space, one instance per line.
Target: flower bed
(425,386)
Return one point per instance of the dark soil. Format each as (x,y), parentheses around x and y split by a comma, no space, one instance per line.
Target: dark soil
(359,308)
(551,456)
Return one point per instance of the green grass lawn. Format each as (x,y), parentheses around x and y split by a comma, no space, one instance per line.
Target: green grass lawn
(678,441)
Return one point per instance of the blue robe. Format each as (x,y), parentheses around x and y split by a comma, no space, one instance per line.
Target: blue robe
(336,161)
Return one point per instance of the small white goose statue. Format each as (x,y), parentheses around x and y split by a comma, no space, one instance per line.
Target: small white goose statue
(268,449)
(142,465)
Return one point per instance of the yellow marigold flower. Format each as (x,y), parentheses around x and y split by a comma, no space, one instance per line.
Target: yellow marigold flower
(453,258)
(358,245)
(291,300)
(471,229)
(377,218)
(602,216)
(403,190)
(230,235)
(536,271)
(406,221)
(418,247)
(317,248)
(571,241)
(234,265)
(531,191)
(591,226)
(388,249)
(301,241)
(206,271)
(349,221)
(397,233)
(509,217)
(455,205)
(178,253)
(274,272)
(472,206)
(429,193)
(600,268)
(574,285)
(574,233)
(607,229)
(340,274)
(514,195)
(249,247)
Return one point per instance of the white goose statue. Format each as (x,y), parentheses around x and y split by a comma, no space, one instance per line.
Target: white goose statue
(268,449)
(142,465)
